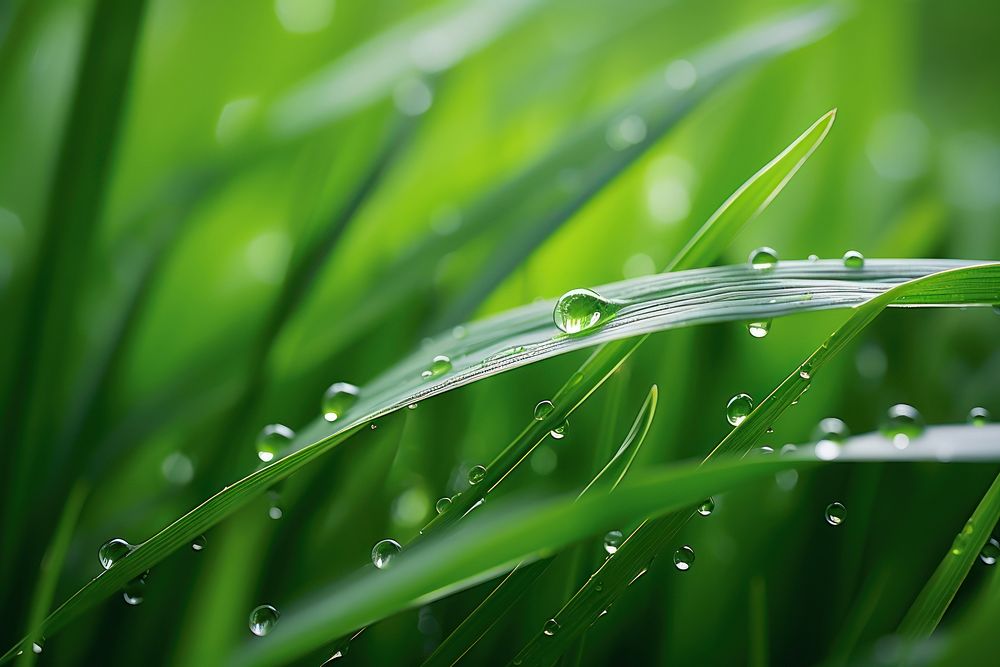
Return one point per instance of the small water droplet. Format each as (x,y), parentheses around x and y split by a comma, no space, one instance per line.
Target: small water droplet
(551,627)
(199,543)
(37,646)
(442,505)
(813,258)
(135,591)
(113,551)
(384,552)
(684,558)
(766,449)
(763,258)
(612,540)
(979,416)
(759,329)
(559,432)
(440,365)
(272,439)
(338,399)
(789,449)
(854,259)
(412,406)
(707,507)
(831,428)
(738,408)
(827,450)
(806,370)
(903,423)
(476,474)
(543,410)
(990,553)
(579,310)
(263,619)
(275,512)
(835,514)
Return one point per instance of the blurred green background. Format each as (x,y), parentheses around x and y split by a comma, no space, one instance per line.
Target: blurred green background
(220,189)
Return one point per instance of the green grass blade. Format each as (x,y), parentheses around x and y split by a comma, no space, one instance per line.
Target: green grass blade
(521,578)
(940,590)
(494,539)
(649,539)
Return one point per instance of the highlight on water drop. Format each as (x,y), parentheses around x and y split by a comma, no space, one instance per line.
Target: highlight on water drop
(440,365)
(263,619)
(199,543)
(272,439)
(551,627)
(476,474)
(612,540)
(835,514)
(738,408)
(338,399)
(442,505)
(759,329)
(384,552)
(902,423)
(831,428)
(990,552)
(684,558)
(706,507)
(979,416)
(854,259)
(559,432)
(580,310)
(763,258)
(113,551)
(543,410)
(134,592)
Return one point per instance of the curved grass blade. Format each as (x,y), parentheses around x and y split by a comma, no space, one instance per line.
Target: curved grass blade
(514,585)
(495,538)
(649,539)
(940,589)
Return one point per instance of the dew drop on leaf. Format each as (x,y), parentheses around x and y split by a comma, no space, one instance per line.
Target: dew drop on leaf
(990,552)
(835,514)
(476,474)
(706,507)
(338,399)
(902,423)
(112,551)
(684,558)
(854,259)
(543,410)
(580,310)
(979,416)
(612,540)
(440,365)
(738,408)
(383,553)
(551,627)
(272,439)
(559,432)
(759,329)
(263,619)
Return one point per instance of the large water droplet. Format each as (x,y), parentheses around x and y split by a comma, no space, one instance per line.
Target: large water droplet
(835,514)
(612,540)
(831,428)
(559,432)
(979,416)
(338,399)
(902,424)
(442,505)
(759,329)
(543,410)
(476,474)
(763,258)
(384,552)
(199,543)
(439,366)
(135,591)
(582,309)
(854,259)
(551,627)
(272,439)
(684,558)
(706,507)
(263,619)
(112,551)
(991,552)
(738,408)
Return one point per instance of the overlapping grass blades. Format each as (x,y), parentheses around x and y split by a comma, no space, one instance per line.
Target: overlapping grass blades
(496,538)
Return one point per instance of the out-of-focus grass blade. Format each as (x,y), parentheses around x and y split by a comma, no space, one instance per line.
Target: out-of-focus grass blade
(941,588)
(493,539)
(514,585)
(650,538)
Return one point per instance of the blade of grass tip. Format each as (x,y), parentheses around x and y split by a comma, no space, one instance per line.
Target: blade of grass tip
(82,172)
(475,626)
(587,154)
(51,566)
(497,536)
(748,201)
(644,544)
(930,606)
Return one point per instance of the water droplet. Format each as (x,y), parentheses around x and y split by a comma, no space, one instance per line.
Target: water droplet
(763,258)
(767,450)
(412,406)
(199,543)
(582,309)
(805,371)
(439,366)
(759,329)
(113,551)
(683,558)
(813,258)
(831,428)
(827,450)
(612,540)
(707,507)
(559,432)
(442,505)
(789,449)
(272,439)
(835,514)
(551,627)
(263,619)
(543,410)
(36,647)
(275,512)
(384,552)
(738,408)
(979,416)
(854,259)
(902,423)
(135,591)
(476,474)
(338,399)
(990,553)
